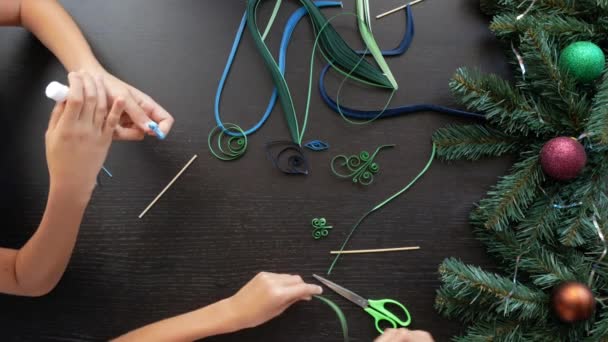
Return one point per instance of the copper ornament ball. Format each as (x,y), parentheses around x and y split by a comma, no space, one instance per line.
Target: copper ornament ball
(573,302)
(563,158)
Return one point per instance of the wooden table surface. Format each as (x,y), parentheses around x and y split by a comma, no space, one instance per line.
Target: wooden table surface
(222,222)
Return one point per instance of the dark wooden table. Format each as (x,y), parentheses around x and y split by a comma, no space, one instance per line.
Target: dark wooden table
(223,222)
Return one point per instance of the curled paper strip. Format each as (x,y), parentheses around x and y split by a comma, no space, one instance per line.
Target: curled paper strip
(229,146)
(317,145)
(287,157)
(320,228)
(361,168)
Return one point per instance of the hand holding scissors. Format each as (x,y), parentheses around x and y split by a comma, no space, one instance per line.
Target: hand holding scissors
(375,308)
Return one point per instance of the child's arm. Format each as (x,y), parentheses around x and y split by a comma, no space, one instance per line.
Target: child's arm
(54,27)
(77,142)
(266,296)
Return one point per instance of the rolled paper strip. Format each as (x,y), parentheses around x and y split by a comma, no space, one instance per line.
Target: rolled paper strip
(354,162)
(317,145)
(288,157)
(321,229)
(57,91)
(366,178)
(318,222)
(228,147)
(317,234)
(360,167)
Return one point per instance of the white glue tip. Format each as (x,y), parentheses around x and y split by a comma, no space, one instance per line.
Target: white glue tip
(57,91)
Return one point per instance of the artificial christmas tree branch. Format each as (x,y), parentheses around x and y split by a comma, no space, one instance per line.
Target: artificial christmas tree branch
(509,299)
(503,106)
(598,121)
(545,221)
(472,142)
(513,193)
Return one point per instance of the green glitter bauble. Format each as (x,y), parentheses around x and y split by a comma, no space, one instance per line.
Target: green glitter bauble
(583,60)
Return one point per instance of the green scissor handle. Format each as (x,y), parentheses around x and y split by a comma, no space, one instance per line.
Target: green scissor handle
(377,310)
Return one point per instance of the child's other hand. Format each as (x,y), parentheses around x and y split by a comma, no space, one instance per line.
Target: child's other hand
(404,335)
(79,135)
(140,109)
(266,296)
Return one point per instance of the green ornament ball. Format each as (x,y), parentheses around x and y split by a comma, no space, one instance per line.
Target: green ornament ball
(583,60)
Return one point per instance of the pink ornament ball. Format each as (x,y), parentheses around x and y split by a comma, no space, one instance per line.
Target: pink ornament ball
(563,158)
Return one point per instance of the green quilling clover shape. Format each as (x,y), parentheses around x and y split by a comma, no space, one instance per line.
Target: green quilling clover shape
(321,229)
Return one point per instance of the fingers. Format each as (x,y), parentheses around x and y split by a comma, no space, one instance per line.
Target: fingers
(114,116)
(90,98)
(404,335)
(137,114)
(294,280)
(394,335)
(157,113)
(56,114)
(302,291)
(128,133)
(102,103)
(75,99)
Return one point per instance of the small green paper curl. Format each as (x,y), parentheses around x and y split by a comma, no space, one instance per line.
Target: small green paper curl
(321,229)
(339,313)
(361,168)
(229,147)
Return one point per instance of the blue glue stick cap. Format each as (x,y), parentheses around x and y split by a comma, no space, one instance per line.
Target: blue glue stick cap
(154,127)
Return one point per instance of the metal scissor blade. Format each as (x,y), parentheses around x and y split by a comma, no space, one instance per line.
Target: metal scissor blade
(348,294)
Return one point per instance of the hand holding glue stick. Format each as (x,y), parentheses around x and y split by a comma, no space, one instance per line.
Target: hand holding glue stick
(59,92)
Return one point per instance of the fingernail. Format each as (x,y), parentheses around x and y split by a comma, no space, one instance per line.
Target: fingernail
(319,290)
(154,127)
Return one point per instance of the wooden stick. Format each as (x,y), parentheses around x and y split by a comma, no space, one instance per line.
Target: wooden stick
(395,10)
(167,187)
(383,250)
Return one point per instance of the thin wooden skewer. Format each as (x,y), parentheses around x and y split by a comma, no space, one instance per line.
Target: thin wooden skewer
(167,187)
(395,10)
(383,250)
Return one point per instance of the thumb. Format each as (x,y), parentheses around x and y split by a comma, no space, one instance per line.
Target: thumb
(302,291)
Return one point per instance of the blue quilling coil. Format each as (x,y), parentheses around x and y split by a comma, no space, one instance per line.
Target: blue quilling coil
(317,145)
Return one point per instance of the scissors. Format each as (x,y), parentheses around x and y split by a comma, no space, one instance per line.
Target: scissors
(374,308)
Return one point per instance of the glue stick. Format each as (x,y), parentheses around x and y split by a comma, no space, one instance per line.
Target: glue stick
(57,91)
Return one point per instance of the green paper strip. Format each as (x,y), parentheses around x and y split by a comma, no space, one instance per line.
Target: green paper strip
(273,16)
(370,42)
(339,313)
(229,147)
(383,203)
(333,47)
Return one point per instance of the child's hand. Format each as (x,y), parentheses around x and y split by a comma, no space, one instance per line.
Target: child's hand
(140,109)
(266,296)
(79,135)
(404,335)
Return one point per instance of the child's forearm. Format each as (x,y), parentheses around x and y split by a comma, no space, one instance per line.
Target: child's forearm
(56,29)
(41,262)
(215,319)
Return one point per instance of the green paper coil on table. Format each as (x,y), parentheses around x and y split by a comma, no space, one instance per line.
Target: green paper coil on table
(360,168)
(584,61)
(320,228)
(228,147)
